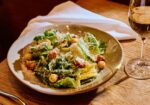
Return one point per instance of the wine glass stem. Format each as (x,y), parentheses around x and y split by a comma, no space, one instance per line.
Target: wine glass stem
(142,46)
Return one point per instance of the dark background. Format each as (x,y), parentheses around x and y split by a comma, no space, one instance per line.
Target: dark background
(15,14)
(126,2)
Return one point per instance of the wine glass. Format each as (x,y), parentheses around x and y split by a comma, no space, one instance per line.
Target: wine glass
(139,19)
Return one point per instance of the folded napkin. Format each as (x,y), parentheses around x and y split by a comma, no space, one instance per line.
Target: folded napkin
(69,12)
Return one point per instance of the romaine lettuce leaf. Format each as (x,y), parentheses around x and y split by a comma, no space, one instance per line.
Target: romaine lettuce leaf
(66,83)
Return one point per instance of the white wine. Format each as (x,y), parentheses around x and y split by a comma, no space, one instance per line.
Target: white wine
(139,20)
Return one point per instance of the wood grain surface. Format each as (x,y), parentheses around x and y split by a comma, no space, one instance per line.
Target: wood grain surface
(127,92)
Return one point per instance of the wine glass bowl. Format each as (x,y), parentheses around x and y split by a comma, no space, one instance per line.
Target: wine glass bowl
(139,19)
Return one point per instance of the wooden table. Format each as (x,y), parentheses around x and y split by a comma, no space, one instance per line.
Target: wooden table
(128,92)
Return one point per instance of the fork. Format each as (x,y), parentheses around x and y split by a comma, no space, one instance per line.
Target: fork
(15,98)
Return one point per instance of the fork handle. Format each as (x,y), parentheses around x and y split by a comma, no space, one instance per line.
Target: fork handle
(15,98)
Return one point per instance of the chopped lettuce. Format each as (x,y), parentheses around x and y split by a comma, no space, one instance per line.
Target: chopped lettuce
(102,47)
(84,48)
(49,34)
(41,47)
(68,37)
(93,44)
(63,72)
(38,38)
(66,83)
(90,38)
(76,51)
(87,80)
(62,63)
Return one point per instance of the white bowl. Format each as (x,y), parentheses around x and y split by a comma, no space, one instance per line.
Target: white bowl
(113,55)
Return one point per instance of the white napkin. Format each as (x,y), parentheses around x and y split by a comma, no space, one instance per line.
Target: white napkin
(70,12)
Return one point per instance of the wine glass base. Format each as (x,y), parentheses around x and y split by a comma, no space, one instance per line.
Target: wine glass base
(138,68)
